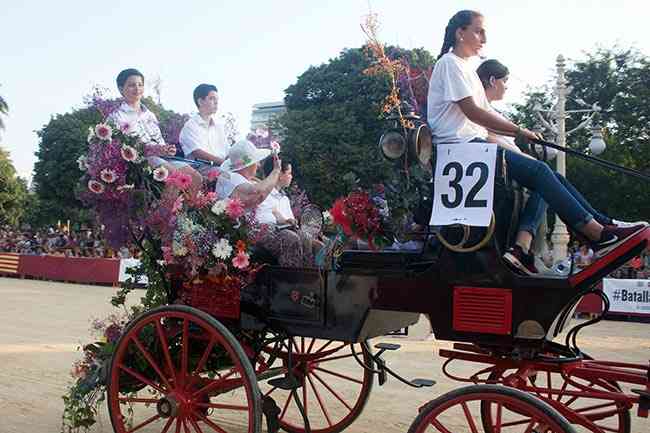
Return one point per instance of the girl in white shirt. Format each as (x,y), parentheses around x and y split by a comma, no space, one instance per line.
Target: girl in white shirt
(458,111)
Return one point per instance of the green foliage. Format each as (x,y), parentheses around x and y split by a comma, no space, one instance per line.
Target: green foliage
(13,192)
(4,109)
(619,82)
(332,124)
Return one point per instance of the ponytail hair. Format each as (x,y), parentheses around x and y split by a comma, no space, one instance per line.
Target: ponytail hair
(491,68)
(459,21)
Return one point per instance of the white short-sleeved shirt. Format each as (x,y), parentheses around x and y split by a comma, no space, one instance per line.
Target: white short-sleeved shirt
(199,134)
(275,201)
(453,79)
(143,122)
(226,184)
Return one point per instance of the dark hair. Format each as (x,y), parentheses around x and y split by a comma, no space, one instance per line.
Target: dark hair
(125,74)
(491,68)
(267,166)
(202,90)
(459,21)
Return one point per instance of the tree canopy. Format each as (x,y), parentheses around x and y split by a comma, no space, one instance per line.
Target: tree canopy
(332,124)
(13,192)
(619,82)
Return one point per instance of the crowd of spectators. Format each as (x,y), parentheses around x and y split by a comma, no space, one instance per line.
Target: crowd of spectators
(60,242)
(638,268)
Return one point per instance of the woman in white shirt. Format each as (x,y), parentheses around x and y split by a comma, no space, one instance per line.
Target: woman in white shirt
(459,112)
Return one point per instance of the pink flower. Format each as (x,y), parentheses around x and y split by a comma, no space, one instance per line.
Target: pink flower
(178,204)
(213,174)
(180,180)
(241,260)
(234,208)
(275,146)
(211,196)
(168,256)
(129,153)
(125,127)
(96,187)
(103,131)
(108,175)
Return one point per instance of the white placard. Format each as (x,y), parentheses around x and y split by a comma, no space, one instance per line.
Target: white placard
(628,296)
(464,184)
(125,264)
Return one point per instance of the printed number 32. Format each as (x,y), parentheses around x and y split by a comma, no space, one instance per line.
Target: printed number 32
(470,201)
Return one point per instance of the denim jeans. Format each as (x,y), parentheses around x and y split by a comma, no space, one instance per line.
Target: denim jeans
(547,187)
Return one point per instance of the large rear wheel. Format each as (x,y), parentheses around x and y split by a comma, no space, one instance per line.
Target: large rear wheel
(177,369)
(333,390)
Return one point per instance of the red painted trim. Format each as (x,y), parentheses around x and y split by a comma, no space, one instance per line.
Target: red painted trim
(598,265)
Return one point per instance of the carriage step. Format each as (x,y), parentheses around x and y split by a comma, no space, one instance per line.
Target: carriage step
(387,346)
(644,402)
(423,383)
(271,411)
(288,383)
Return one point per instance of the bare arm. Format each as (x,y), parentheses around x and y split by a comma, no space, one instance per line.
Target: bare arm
(252,195)
(206,156)
(490,120)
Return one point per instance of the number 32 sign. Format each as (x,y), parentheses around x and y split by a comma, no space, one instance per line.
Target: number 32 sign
(464,184)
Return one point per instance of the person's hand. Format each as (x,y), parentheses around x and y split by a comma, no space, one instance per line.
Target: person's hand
(277,163)
(531,135)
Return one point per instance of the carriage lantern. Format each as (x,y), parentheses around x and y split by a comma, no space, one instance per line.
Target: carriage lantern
(414,143)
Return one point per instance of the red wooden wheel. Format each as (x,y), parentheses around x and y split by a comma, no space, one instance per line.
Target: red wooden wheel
(459,411)
(595,414)
(177,369)
(334,387)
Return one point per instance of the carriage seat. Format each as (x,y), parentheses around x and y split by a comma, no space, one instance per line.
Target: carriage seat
(386,260)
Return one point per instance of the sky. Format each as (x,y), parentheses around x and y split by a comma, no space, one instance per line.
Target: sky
(53,53)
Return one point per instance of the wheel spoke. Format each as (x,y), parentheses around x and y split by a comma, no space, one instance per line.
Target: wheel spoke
(499,413)
(212,385)
(304,395)
(209,422)
(137,400)
(204,357)
(531,426)
(324,346)
(144,423)
(302,344)
(286,406)
(170,421)
(151,361)
(549,385)
(165,348)
(560,395)
(195,425)
(334,393)
(334,358)
(187,429)
(311,345)
(178,425)
(470,419)
(320,402)
(339,375)
(441,428)
(222,406)
(142,378)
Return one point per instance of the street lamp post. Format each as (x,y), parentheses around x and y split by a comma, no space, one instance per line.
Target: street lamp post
(557,126)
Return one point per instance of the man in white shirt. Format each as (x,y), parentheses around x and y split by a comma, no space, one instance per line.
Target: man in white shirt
(202,137)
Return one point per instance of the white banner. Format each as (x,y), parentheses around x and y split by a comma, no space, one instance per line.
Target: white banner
(464,184)
(125,264)
(628,296)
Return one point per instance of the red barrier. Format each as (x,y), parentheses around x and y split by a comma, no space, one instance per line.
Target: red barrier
(73,269)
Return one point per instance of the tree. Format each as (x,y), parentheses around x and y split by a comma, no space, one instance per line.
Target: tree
(56,171)
(332,124)
(619,82)
(13,192)
(4,109)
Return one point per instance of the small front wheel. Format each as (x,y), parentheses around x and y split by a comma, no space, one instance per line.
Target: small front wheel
(459,411)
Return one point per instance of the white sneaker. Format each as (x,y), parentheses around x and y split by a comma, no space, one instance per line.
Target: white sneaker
(624,224)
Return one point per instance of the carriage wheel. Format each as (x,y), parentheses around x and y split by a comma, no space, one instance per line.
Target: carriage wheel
(513,411)
(334,387)
(605,415)
(177,369)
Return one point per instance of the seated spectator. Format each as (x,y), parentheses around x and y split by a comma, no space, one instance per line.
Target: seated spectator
(584,257)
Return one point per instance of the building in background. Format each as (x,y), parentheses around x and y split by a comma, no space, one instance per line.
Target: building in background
(264,112)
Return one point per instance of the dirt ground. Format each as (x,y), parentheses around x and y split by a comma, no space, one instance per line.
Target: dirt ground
(43,323)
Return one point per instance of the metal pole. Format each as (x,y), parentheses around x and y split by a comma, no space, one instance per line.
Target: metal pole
(560,236)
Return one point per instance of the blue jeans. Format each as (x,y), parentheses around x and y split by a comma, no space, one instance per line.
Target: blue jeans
(533,212)
(548,187)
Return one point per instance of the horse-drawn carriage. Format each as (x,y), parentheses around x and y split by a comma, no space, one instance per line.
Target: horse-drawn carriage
(282,348)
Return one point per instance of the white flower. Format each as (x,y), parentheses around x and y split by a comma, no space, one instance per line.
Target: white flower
(160,174)
(125,187)
(327,217)
(103,131)
(91,134)
(219,207)
(129,153)
(275,146)
(108,175)
(82,161)
(96,187)
(222,249)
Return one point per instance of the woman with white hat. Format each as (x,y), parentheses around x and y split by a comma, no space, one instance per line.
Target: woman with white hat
(242,164)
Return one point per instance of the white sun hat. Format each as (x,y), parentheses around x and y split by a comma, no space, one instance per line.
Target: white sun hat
(243,154)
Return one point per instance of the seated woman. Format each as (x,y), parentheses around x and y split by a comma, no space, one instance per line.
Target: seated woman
(458,112)
(135,116)
(494,77)
(242,164)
